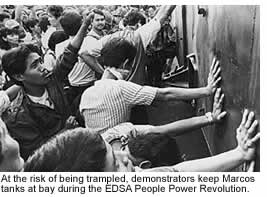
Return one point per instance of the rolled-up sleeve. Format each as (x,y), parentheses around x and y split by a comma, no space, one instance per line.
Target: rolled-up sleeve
(135,94)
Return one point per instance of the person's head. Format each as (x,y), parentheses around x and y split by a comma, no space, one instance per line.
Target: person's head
(118,14)
(43,23)
(78,150)
(151,11)
(54,13)
(71,22)
(4,17)
(73,150)
(10,159)
(24,15)
(13,31)
(56,38)
(153,150)
(97,19)
(31,25)
(118,51)
(24,65)
(3,38)
(134,19)
(40,11)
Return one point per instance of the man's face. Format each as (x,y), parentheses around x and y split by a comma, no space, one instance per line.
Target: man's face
(12,160)
(13,38)
(117,161)
(35,73)
(98,22)
(52,20)
(151,12)
(24,15)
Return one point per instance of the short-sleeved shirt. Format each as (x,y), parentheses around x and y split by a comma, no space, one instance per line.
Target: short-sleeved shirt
(140,39)
(81,74)
(109,102)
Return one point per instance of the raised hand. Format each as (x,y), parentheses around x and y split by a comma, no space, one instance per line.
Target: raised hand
(217,113)
(247,136)
(214,76)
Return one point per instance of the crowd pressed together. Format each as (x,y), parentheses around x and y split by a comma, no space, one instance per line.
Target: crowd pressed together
(70,77)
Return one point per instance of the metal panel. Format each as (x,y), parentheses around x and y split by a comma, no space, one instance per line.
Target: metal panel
(232,34)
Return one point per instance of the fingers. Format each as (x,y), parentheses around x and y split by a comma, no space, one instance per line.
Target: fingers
(221,99)
(222,115)
(217,73)
(216,67)
(217,95)
(254,139)
(252,129)
(250,167)
(218,80)
(218,98)
(244,118)
(249,120)
(212,64)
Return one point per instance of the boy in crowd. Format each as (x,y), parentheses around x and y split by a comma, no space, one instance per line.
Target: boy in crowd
(42,110)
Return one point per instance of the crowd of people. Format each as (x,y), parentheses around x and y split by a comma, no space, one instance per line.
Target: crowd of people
(70,77)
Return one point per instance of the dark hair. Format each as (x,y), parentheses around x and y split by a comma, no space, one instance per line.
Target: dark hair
(71,22)
(3,34)
(133,18)
(14,60)
(55,38)
(55,10)
(116,51)
(159,149)
(43,23)
(73,150)
(3,16)
(96,11)
(30,23)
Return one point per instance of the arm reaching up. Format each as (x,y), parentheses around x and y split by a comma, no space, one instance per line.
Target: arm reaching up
(78,38)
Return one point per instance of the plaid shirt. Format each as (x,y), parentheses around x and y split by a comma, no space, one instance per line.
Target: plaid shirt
(109,102)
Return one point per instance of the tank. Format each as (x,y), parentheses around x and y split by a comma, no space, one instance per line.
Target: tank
(232,34)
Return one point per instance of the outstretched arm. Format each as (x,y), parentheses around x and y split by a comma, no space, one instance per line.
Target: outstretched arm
(246,135)
(166,94)
(182,126)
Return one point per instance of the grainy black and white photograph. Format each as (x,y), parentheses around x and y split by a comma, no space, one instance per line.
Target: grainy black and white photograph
(129,88)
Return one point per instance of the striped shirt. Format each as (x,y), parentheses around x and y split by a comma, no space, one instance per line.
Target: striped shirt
(109,102)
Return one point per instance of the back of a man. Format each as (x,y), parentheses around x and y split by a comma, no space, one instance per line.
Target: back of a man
(109,102)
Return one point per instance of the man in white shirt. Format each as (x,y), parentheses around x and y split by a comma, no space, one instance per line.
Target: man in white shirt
(81,76)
